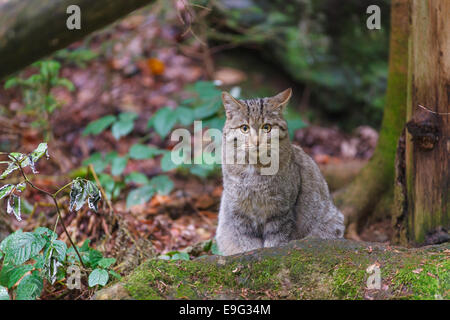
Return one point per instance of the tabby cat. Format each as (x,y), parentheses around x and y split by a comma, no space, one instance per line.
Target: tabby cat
(266,210)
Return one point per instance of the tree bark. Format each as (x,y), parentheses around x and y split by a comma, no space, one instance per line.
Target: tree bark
(32,29)
(372,190)
(428,129)
(304,269)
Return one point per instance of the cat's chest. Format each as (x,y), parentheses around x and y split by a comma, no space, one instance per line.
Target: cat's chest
(261,197)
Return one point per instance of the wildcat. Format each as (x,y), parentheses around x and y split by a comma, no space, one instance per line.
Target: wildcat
(266,210)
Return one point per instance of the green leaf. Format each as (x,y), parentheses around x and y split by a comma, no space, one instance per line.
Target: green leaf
(140,195)
(294,124)
(206,89)
(85,246)
(208,109)
(98,126)
(140,151)
(6,190)
(108,184)
(25,160)
(163,121)
(124,126)
(167,163)
(11,167)
(98,277)
(115,274)
(11,274)
(180,256)
(136,177)
(30,287)
(46,232)
(96,159)
(106,262)
(94,257)
(162,184)
(19,247)
(215,249)
(215,123)
(185,115)
(4,294)
(11,83)
(41,149)
(63,82)
(118,164)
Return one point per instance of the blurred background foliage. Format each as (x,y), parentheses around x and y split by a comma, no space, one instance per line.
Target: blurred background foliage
(322,44)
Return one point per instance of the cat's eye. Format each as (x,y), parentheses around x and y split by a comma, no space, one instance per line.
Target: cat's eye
(266,127)
(245,128)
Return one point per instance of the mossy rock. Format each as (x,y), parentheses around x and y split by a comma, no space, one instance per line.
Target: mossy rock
(303,269)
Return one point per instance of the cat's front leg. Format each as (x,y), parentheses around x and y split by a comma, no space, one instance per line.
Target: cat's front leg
(279,230)
(236,236)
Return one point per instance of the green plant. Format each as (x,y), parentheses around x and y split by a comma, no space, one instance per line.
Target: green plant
(30,257)
(37,96)
(79,57)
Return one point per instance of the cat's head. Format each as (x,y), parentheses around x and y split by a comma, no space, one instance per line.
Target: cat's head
(253,120)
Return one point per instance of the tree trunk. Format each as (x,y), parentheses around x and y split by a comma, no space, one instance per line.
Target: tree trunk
(372,190)
(428,129)
(304,269)
(32,29)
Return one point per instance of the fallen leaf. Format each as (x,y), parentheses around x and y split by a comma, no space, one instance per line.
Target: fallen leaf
(156,66)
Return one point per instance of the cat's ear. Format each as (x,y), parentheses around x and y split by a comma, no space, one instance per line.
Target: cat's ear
(281,100)
(230,104)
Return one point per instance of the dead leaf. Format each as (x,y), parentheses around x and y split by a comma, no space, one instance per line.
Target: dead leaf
(156,66)
(204,202)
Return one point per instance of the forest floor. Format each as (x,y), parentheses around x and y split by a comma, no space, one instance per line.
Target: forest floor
(141,65)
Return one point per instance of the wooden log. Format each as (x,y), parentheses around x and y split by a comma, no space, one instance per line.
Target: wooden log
(32,29)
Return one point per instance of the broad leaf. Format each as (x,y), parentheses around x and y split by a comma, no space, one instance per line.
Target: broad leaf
(30,287)
(118,164)
(163,121)
(124,126)
(98,277)
(140,151)
(106,262)
(185,115)
(180,256)
(140,195)
(136,177)
(19,247)
(167,163)
(98,126)
(11,274)
(6,190)
(162,184)
(96,159)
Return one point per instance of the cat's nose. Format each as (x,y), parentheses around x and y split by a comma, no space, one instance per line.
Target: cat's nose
(253,137)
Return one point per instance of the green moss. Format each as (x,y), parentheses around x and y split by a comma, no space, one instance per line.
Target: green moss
(426,277)
(312,269)
(347,282)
